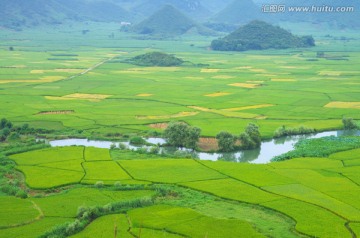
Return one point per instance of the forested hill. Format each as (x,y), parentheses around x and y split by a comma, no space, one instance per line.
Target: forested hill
(259,35)
(239,12)
(194,9)
(169,21)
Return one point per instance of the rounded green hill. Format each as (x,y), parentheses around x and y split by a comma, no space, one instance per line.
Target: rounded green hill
(156,59)
(259,35)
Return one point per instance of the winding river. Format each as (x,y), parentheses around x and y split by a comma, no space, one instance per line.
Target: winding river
(263,155)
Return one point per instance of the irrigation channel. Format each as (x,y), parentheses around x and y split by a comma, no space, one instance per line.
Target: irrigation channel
(263,155)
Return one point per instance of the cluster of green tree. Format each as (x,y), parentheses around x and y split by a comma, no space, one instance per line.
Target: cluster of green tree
(249,139)
(349,123)
(259,35)
(10,132)
(156,59)
(288,131)
(182,135)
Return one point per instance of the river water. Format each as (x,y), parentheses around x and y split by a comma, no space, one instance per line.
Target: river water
(262,155)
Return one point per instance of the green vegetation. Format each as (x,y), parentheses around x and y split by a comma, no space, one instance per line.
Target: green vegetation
(137,140)
(52,85)
(320,147)
(86,215)
(251,138)
(233,89)
(105,227)
(168,171)
(322,187)
(107,170)
(226,141)
(35,229)
(96,154)
(349,124)
(181,135)
(156,59)
(287,131)
(181,221)
(17,212)
(259,35)
(10,180)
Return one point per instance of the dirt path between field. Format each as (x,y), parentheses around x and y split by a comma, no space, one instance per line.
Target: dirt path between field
(91,68)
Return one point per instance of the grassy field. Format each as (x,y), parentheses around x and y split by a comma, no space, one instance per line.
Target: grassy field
(271,88)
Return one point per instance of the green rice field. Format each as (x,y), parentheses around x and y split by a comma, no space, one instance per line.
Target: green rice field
(66,84)
(96,92)
(307,194)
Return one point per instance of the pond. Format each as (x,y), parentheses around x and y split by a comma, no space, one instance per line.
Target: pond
(262,155)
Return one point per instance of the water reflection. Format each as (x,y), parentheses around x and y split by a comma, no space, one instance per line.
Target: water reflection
(268,149)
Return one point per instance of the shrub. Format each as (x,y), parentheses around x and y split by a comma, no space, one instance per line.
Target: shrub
(107,208)
(141,150)
(349,123)
(137,140)
(21,194)
(182,154)
(9,189)
(99,184)
(122,146)
(154,150)
(117,184)
(80,212)
(287,131)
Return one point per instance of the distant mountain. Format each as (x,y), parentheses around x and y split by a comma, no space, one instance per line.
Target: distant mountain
(17,14)
(239,12)
(215,5)
(191,8)
(168,21)
(259,35)
(100,10)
